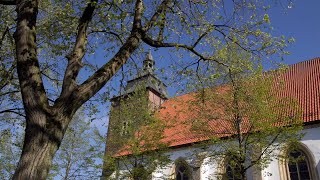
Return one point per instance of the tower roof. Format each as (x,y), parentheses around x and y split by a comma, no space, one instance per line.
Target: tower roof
(148,64)
(147,78)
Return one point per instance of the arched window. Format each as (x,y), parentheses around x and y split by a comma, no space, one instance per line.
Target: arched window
(298,165)
(182,170)
(140,173)
(232,170)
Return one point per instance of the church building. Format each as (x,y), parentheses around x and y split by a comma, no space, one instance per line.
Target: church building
(301,81)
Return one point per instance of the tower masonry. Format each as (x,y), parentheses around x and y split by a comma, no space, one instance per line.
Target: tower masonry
(155,94)
(157,90)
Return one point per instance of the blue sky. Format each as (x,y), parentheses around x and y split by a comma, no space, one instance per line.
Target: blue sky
(301,22)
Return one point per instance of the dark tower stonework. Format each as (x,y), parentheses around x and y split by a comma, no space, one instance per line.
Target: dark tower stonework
(156,92)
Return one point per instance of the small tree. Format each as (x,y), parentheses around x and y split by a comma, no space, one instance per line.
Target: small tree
(10,148)
(134,142)
(245,117)
(81,152)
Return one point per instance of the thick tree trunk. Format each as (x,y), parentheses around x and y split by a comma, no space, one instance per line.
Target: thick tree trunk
(40,145)
(44,130)
(45,124)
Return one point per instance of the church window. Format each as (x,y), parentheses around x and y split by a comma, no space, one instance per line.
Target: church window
(232,171)
(298,166)
(183,171)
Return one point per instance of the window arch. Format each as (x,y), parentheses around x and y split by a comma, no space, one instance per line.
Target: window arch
(140,173)
(298,164)
(231,169)
(182,170)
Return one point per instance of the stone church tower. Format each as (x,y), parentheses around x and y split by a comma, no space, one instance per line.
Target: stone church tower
(157,90)
(156,94)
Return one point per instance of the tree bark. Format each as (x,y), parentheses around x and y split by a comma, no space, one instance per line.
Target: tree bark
(42,134)
(66,175)
(45,124)
(243,175)
(40,144)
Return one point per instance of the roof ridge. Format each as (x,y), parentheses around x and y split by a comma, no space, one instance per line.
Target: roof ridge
(305,61)
(289,65)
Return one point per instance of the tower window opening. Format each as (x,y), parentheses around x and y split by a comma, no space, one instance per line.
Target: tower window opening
(125,128)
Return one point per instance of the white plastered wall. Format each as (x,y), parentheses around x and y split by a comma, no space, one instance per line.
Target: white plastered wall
(209,168)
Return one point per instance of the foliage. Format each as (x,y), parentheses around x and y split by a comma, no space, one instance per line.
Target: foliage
(134,137)
(81,152)
(11,110)
(10,149)
(206,24)
(246,118)
(66,52)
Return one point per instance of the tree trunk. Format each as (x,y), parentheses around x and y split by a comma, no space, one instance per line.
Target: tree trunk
(69,160)
(46,124)
(44,129)
(41,142)
(243,175)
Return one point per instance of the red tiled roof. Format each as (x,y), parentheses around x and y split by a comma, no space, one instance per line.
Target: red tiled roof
(301,81)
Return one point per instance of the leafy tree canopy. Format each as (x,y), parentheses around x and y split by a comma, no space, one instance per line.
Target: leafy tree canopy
(54,45)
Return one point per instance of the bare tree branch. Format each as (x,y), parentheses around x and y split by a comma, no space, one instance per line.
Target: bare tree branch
(50,78)
(13,111)
(199,39)
(230,39)
(158,44)
(9,74)
(270,144)
(9,92)
(3,36)
(138,15)
(8,2)
(108,32)
(162,26)
(155,16)
(75,57)
(94,83)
